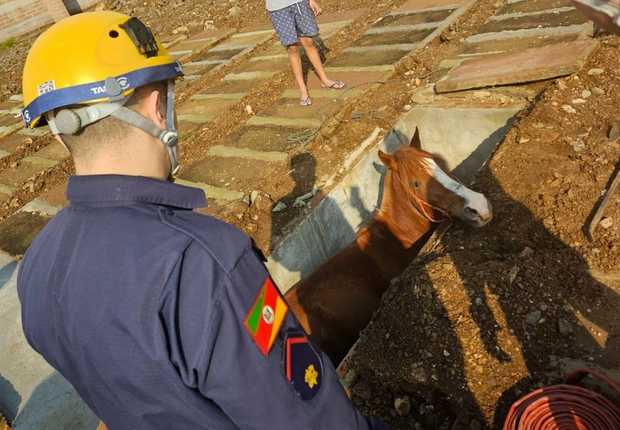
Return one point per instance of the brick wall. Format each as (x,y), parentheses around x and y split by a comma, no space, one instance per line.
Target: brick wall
(18,17)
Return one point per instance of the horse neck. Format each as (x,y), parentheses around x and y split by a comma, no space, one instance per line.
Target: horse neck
(399,214)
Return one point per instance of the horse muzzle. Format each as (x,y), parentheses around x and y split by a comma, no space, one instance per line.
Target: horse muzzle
(474,218)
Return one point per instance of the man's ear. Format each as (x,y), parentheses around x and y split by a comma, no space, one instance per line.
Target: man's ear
(149,107)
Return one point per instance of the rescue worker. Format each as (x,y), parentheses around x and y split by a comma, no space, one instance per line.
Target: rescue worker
(160,317)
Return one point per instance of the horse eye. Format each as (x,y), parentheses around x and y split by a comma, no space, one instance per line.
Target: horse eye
(416,184)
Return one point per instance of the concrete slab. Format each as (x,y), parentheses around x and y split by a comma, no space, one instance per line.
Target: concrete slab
(353,79)
(546,20)
(40,161)
(342,16)
(169,41)
(195,118)
(257,27)
(525,66)
(248,154)
(220,54)
(208,107)
(32,394)
(264,138)
(5,131)
(4,153)
(251,39)
(533,6)
(9,105)
(213,192)
(192,69)
(11,143)
(231,173)
(37,132)
(394,37)
(235,96)
(414,5)
(264,65)
(285,122)
(515,44)
(326,94)
(53,151)
(9,120)
(355,60)
(57,196)
(213,34)
(250,76)
(188,127)
(422,17)
(15,177)
(290,108)
(583,30)
(6,190)
(19,230)
(233,87)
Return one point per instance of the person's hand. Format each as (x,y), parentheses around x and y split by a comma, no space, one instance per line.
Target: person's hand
(317,9)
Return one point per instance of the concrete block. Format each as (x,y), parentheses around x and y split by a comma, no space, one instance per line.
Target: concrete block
(533,6)
(418,5)
(248,154)
(262,138)
(15,177)
(211,192)
(19,230)
(285,122)
(545,20)
(354,60)
(394,37)
(422,17)
(234,174)
(525,66)
(54,151)
(56,197)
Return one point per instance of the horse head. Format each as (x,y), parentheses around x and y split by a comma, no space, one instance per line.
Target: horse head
(425,182)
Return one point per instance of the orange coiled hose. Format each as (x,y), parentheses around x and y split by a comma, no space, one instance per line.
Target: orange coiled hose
(566,407)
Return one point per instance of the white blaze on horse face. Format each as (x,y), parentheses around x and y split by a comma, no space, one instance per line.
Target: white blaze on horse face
(473,200)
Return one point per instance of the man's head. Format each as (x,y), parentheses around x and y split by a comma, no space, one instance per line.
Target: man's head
(105,86)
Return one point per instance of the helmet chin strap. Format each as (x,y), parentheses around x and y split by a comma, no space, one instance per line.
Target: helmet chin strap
(169,137)
(70,121)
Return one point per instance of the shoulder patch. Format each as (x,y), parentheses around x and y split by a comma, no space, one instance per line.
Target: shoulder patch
(265,318)
(302,366)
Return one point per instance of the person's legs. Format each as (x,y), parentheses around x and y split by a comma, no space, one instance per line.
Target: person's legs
(295,60)
(307,28)
(286,28)
(315,59)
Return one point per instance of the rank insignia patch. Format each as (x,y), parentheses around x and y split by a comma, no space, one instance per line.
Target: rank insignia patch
(266,316)
(302,366)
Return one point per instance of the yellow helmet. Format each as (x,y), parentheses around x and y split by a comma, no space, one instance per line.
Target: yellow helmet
(96,59)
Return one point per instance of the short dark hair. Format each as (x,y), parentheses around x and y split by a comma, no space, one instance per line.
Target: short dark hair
(110,130)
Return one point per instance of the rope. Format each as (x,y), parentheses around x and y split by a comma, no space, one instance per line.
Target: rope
(306,136)
(566,407)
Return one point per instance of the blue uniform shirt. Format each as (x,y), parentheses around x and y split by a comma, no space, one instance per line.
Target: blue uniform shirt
(140,303)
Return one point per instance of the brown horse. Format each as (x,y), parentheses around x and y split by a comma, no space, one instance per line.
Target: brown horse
(336,301)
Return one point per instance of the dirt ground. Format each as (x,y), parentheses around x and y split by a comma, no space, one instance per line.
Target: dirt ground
(480,321)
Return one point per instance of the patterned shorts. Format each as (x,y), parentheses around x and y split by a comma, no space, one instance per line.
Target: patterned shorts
(294,22)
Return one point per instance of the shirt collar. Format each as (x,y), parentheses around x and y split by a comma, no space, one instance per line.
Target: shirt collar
(117,190)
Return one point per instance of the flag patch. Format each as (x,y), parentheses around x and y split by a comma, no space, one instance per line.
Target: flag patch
(265,318)
(303,366)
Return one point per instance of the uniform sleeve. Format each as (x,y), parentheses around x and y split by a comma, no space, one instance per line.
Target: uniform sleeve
(223,346)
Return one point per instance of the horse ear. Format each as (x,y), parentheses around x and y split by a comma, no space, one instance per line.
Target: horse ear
(388,160)
(415,140)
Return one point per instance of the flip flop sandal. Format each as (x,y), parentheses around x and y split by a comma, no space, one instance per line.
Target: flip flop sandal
(307,102)
(336,86)
(610,10)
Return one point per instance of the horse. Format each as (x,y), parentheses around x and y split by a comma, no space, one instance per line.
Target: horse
(338,299)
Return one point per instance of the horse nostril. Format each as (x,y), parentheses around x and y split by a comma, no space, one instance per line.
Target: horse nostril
(472,212)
